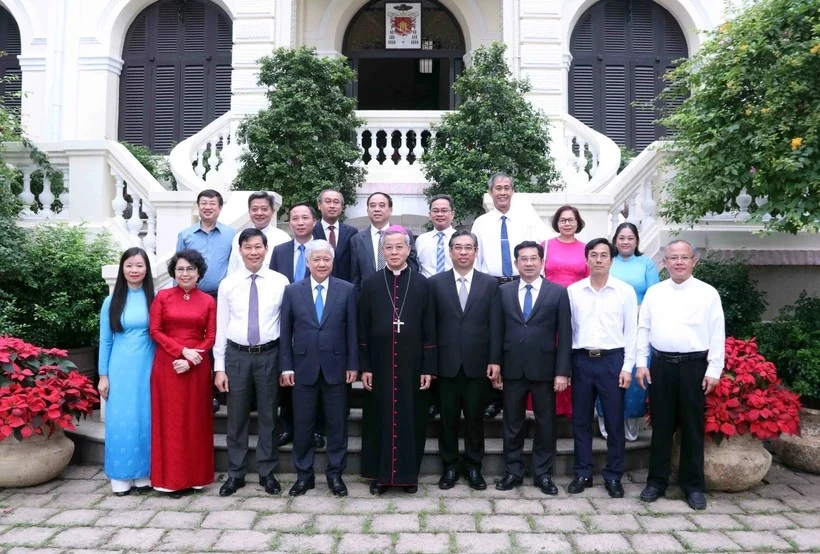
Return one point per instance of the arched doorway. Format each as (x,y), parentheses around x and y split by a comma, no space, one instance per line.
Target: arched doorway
(620,50)
(176,76)
(11,83)
(405,79)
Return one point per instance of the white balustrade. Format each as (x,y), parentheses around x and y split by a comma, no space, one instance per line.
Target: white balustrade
(38,205)
(587,159)
(209,158)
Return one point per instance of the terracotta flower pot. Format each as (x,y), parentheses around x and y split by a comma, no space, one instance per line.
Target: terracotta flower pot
(34,460)
(802,452)
(736,464)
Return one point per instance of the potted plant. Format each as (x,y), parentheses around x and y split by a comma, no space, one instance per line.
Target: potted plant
(40,396)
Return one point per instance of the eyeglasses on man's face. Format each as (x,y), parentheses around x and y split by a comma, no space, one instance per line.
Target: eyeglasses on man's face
(676,259)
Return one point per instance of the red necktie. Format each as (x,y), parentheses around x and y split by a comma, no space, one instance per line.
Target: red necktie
(331,228)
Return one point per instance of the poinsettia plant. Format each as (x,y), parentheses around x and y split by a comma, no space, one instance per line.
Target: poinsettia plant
(39,390)
(750,398)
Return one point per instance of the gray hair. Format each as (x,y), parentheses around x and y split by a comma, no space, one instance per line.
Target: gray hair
(405,235)
(497,176)
(319,245)
(321,194)
(681,241)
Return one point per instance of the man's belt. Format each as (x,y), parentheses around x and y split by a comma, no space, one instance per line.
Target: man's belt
(678,357)
(258,349)
(597,352)
(502,280)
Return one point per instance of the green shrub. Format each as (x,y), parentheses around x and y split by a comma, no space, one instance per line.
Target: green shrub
(743,303)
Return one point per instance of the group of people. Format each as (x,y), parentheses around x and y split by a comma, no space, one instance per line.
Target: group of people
(497,319)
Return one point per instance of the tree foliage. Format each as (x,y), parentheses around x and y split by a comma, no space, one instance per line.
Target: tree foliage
(753,118)
(305,140)
(494,128)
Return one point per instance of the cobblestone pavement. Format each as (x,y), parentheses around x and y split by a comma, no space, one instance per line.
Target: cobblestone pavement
(77,513)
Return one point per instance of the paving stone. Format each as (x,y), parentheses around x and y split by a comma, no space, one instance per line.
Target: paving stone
(758,540)
(715,521)
(310,504)
(453,523)
(668,506)
(365,506)
(178,540)
(244,541)
(348,524)
(357,490)
(637,476)
(519,506)
(483,543)
(126,518)
(265,503)
(72,500)
(543,542)
(136,539)
(208,503)
(504,524)
(803,504)
(655,542)
(613,523)
(619,506)
(176,520)
(26,550)
(777,491)
(803,519)
(762,505)
(81,472)
(83,486)
(568,506)
(414,505)
(361,544)
(130,502)
(429,543)
(766,522)
(601,542)
(164,502)
(230,519)
(805,539)
(283,522)
(24,500)
(28,516)
(320,544)
(665,524)
(468,506)
(709,541)
(558,524)
(42,488)
(76,517)
(28,536)
(82,537)
(722,506)
(781,475)
(391,523)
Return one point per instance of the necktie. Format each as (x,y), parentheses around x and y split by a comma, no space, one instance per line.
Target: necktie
(506,259)
(332,237)
(299,272)
(440,253)
(462,292)
(527,303)
(320,304)
(380,263)
(253,313)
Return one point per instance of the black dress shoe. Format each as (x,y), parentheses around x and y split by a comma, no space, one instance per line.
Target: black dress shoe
(579,484)
(432,411)
(614,488)
(215,404)
(411,489)
(231,485)
(337,486)
(492,410)
(122,493)
(376,489)
(285,437)
(696,500)
(271,485)
(144,490)
(475,480)
(545,484)
(651,494)
(318,441)
(508,482)
(301,486)
(448,479)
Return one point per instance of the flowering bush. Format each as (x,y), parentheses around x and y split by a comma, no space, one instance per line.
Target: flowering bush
(39,390)
(750,398)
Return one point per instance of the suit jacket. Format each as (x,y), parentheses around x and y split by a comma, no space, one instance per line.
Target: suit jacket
(540,348)
(307,345)
(363,259)
(282,259)
(341,258)
(470,338)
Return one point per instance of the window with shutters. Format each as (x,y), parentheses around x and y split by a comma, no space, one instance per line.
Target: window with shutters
(12,78)
(620,50)
(176,76)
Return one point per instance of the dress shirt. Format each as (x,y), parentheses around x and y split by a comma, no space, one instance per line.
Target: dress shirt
(326,225)
(275,236)
(469,280)
(313,284)
(681,318)
(232,309)
(374,238)
(296,245)
(487,228)
(215,247)
(427,250)
(522,291)
(605,319)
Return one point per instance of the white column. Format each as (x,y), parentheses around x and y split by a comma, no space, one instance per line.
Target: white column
(257,30)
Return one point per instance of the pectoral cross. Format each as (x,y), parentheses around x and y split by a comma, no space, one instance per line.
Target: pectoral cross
(398,323)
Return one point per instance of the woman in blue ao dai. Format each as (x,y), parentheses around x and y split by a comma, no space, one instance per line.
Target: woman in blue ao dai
(126,355)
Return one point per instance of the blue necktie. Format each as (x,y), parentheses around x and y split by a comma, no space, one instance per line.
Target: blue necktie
(320,305)
(299,272)
(527,303)
(440,253)
(506,259)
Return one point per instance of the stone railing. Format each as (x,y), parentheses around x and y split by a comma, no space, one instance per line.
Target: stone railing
(587,159)
(45,194)
(209,158)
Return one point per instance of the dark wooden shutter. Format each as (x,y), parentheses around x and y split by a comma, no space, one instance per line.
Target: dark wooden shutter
(620,50)
(11,83)
(177,73)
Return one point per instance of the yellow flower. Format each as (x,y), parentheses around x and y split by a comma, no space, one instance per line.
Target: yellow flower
(815,49)
(797,142)
(748,112)
(744,47)
(764,110)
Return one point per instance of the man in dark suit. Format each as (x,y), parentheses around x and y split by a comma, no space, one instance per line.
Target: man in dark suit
(468,335)
(331,204)
(319,358)
(537,331)
(366,255)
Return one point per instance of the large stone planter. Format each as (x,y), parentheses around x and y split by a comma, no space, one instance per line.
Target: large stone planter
(34,460)
(802,452)
(736,464)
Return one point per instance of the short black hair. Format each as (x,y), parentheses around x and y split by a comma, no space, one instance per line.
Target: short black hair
(210,193)
(529,244)
(191,256)
(595,242)
(634,229)
(578,219)
(261,195)
(446,197)
(248,234)
(463,233)
(389,199)
(306,205)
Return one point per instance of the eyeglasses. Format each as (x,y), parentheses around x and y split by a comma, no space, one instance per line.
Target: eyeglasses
(563,221)
(676,259)
(439,212)
(185,270)
(459,248)
(596,256)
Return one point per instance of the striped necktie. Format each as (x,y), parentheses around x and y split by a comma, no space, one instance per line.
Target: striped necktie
(440,253)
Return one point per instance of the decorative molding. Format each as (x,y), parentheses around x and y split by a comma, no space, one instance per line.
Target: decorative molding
(32,63)
(90,41)
(39,41)
(100,63)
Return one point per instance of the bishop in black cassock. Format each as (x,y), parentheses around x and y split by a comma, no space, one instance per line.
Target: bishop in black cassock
(397,331)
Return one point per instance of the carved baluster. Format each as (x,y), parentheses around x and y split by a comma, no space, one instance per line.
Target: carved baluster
(26,196)
(360,146)
(213,162)
(594,169)
(150,239)
(118,204)
(614,219)
(403,149)
(761,201)
(648,206)
(744,200)
(200,164)
(633,209)
(134,223)
(46,197)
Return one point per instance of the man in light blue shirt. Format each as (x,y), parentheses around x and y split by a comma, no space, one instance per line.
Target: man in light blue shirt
(210,238)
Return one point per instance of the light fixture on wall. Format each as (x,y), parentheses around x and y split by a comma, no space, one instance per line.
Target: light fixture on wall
(426,64)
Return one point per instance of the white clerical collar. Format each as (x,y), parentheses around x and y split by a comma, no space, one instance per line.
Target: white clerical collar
(683,286)
(399,271)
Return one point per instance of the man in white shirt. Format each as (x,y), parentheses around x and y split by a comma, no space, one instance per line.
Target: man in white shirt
(261,212)
(246,355)
(432,246)
(604,330)
(681,320)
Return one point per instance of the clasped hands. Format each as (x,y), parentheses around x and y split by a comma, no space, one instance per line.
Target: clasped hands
(190,356)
